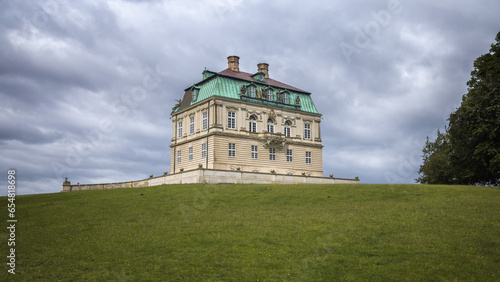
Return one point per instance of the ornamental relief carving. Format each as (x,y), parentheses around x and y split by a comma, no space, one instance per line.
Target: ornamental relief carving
(272,115)
(274,142)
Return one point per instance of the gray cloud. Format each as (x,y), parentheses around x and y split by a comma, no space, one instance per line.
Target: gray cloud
(87,88)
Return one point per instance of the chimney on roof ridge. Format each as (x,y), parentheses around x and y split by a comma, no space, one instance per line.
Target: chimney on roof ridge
(263,67)
(233,63)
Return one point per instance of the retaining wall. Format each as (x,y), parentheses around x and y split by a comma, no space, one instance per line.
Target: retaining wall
(212,176)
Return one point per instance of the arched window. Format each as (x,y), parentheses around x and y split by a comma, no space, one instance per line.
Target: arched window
(270,126)
(252,91)
(253,124)
(269,94)
(287,129)
(286,98)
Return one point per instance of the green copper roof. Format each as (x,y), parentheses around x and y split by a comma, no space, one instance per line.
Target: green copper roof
(223,86)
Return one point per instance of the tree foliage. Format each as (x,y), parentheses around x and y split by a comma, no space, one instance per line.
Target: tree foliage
(468,152)
(437,168)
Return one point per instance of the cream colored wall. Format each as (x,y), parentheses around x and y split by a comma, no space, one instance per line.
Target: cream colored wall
(245,110)
(187,164)
(221,136)
(263,164)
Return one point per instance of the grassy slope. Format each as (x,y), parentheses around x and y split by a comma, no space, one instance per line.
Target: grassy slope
(259,232)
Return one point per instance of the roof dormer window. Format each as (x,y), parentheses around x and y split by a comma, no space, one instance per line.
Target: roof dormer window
(269,94)
(194,93)
(260,76)
(286,98)
(252,91)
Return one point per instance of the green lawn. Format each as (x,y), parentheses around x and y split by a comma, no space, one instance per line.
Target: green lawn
(258,233)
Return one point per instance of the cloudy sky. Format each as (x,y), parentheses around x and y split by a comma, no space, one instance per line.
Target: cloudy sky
(87,88)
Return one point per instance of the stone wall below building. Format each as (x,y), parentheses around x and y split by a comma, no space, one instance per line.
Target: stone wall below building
(211,176)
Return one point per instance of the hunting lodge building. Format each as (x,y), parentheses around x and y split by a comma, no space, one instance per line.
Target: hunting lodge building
(238,127)
(238,121)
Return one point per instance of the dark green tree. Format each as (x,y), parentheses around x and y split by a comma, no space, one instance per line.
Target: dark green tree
(469,151)
(437,168)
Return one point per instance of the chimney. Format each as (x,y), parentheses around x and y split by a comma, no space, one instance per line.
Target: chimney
(263,67)
(233,63)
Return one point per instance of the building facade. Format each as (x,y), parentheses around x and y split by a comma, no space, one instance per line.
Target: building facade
(238,121)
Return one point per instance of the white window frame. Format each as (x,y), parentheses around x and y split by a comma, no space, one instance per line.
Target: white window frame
(190,153)
(255,152)
(289,155)
(252,91)
(287,129)
(195,94)
(191,125)
(308,157)
(231,120)
(232,150)
(252,124)
(270,126)
(307,131)
(272,154)
(203,150)
(286,98)
(269,94)
(179,156)
(179,127)
(205,120)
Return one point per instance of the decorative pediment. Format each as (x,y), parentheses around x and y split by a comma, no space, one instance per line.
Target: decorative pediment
(288,118)
(254,113)
(231,108)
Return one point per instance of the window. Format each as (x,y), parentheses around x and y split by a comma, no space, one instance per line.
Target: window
(231,120)
(251,91)
(269,94)
(205,120)
(270,126)
(255,152)
(179,156)
(308,158)
(253,124)
(180,129)
(307,131)
(191,125)
(190,153)
(286,98)
(195,94)
(232,149)
(272,154)
(203,150)
(289,156)
(287,129)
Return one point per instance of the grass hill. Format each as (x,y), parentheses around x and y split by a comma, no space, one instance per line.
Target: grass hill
(259,233)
